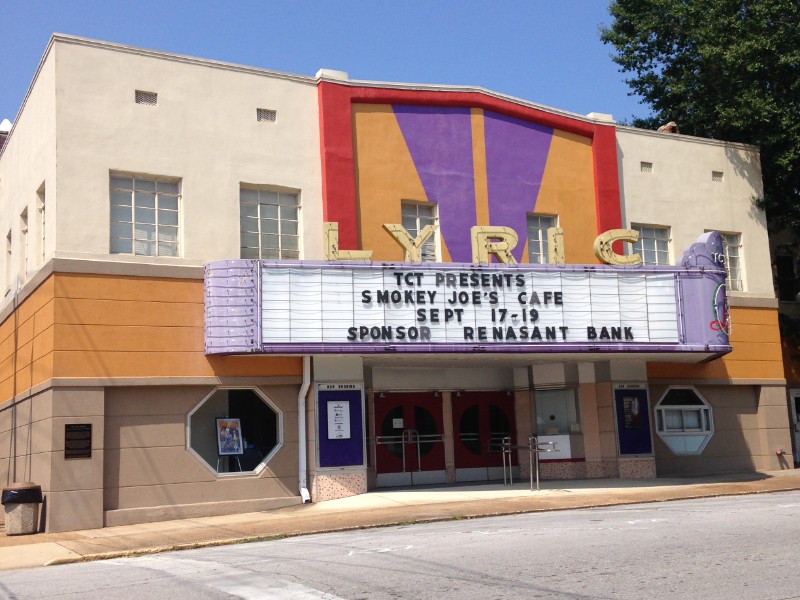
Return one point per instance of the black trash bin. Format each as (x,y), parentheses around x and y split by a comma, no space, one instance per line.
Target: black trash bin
(21,502)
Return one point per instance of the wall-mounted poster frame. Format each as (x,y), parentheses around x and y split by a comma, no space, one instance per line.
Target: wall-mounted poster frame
(340,444)
(632,418)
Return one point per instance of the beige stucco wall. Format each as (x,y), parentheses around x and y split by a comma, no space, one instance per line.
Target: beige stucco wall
(149,474)
(72,488)
(203,131)
(79,122)
(680,193)
(750,425)
(27,162)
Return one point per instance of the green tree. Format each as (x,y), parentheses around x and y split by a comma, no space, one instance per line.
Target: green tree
(724,69)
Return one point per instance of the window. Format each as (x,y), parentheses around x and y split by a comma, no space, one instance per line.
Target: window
(144,216)
(653,244)
(235,431)
(537,237)
(732,246)
(23,245)
(8,261)
(416,215)
(684,420)
(40,217)
(556,412)
(269,224)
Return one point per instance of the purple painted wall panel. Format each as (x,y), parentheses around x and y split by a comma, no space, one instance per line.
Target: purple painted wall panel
(516,154)
(439,140)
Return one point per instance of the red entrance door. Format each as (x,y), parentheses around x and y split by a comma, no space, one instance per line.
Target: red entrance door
(409,446)
(481,421)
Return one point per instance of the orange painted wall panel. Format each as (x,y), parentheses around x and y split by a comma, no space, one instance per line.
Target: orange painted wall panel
(127,288)
(85,311)
(109,326)
(122,338)
(756,354)
(31,364)
(147,363)
(479,167)
(568,191)
(385,175)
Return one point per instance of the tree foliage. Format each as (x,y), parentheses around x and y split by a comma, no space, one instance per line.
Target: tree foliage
(724,69)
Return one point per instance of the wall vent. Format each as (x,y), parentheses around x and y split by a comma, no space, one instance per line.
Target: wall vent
(646,167)
(147,98)
(266,115)
(717,176)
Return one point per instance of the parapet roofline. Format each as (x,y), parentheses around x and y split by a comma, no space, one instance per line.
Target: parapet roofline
(81,41)
(339,78)
(329,76)
(599,119)
(682,137)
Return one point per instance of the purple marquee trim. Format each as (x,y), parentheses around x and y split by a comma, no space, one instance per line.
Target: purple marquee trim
(705,291)
(232,315)
(439,140)
(489,348)
(233,308)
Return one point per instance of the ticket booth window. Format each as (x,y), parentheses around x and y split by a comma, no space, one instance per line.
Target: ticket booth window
(235,431)
(556,412)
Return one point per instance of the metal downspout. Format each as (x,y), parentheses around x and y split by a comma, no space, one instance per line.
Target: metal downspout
(301,431)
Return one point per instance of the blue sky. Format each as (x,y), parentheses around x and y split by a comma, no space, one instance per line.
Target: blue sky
(544,51)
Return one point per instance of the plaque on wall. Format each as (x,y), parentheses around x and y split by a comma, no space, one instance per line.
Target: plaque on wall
(78,440)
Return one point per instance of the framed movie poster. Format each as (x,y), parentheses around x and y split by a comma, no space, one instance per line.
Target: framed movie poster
(229,437)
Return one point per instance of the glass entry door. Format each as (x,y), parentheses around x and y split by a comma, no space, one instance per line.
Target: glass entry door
(409,445)
(481,421)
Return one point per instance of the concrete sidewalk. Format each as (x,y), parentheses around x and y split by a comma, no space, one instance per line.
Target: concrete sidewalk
(375,509)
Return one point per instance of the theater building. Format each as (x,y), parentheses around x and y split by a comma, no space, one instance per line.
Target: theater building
(229,289)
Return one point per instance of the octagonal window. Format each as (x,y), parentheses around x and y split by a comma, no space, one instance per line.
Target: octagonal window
(684,421)
(235,431)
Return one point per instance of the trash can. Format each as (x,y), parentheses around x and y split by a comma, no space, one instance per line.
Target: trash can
(21,502)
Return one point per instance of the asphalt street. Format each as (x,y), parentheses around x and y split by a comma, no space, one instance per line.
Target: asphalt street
(713,548)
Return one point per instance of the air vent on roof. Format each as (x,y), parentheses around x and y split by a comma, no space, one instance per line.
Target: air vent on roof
(266,115)
(148,98)
(646,167)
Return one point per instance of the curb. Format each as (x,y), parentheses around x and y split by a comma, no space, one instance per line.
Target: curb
(392,523)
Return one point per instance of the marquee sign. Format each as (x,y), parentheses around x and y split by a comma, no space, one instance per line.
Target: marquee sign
(411,305)
(300,307)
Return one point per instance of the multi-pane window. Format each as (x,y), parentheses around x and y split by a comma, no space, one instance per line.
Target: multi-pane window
(40,212)
(684,421)
(732,246)
(24,268)
(8,261)
(537,237)
(416,215)
(144,216)
(269,224)
(653,244)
